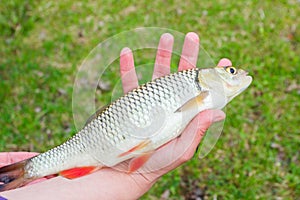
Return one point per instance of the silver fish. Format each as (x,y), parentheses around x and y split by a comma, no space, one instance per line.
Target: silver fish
(134,125)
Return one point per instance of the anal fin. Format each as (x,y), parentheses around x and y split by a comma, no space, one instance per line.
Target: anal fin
(78,171)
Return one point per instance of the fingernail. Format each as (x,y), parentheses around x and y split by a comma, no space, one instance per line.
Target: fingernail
(167,37)
(224,62)
(123,51)
(218,116)
(193,36)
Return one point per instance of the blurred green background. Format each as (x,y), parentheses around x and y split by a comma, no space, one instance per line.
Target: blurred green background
(42,44)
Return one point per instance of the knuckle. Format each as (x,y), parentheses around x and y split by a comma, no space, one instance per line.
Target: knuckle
(163,53)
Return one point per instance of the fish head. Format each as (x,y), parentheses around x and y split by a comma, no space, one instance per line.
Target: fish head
(234,81)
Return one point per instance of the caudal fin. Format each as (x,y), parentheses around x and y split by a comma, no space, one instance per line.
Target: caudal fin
(12,176)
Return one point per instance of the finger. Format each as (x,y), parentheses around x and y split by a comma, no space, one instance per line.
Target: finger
(128,74)
(194,133)
(224,62)
(183,148)
(163,56)
(187,143)
(7,158)
(190,52)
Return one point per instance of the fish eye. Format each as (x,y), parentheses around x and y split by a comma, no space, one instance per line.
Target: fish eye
(231,70)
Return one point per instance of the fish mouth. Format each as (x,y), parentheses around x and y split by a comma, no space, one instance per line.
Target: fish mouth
(247,80)
(245,84)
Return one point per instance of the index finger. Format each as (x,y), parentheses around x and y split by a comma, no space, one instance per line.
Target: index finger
(163,56)
(189,52)
(128,74)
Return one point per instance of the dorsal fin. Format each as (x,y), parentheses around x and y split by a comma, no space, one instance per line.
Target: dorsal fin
(95,115)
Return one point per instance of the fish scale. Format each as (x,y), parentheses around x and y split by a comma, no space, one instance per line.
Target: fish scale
(103,130)
(134,125)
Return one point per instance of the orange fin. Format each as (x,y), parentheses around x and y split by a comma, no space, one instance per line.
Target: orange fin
(194,102)
(78,172)
(137,147)
(138,162)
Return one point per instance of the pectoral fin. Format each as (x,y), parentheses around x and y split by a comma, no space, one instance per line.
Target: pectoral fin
(194,102)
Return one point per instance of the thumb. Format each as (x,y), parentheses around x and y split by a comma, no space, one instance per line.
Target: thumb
(183,148)
(197,127)
(195,131)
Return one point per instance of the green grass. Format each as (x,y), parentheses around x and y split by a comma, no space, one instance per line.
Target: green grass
(42,43)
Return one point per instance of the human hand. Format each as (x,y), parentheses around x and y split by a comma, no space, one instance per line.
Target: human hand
(183,148)
(110,183)
(7,158)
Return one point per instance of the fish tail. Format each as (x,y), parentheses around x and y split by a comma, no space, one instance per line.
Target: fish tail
(12,176)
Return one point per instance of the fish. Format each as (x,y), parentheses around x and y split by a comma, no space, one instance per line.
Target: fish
(132,127)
